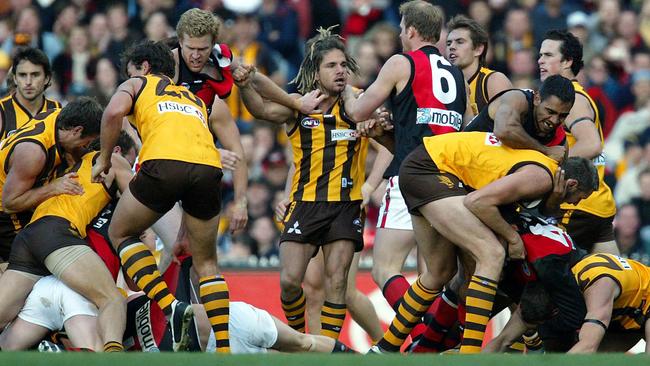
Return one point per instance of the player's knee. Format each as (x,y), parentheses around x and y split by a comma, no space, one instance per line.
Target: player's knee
(109,296)
(290,284)
(379,275)
(337,282)
(491,255)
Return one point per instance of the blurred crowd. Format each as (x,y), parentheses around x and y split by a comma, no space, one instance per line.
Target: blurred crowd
(84,39)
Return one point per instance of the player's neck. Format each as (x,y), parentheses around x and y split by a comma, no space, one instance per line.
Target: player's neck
(417,44)
(471,70)
(33,106)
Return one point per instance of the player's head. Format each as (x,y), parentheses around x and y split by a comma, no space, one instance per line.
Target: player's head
(31,72)
(553,102)
(78,123)
(421,22)
(126,147)
(560,53)
(466,41)
(536,304)
(327,64)
(148,57)
(581,177)
(198,31)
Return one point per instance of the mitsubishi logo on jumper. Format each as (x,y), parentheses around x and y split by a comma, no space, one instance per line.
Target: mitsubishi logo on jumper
(294,229)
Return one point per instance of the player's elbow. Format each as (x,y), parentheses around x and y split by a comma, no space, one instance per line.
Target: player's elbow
(473,202)
(502,132)
(9,205)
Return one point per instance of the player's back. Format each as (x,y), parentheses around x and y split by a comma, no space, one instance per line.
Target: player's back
(479,158)
(633,279)
(79,210)
(432,102)
(173,123)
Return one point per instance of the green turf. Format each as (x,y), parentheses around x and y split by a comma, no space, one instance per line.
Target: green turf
(193,359)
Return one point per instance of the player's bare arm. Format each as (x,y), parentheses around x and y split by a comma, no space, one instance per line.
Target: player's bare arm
(580,122)
(528,182)
(507,114)
(599,298)
(512,331)
(260,108)
(25,165)
(121,172)
(496,83)
(393,75)
(226,131)
(118,107)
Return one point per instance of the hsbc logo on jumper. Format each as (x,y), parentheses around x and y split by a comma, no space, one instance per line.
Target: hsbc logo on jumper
(309,122)
(341,135)
(189,110)
(439,117)
(492,140)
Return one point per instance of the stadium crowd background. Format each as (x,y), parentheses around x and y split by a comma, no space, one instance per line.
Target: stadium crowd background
(84,38)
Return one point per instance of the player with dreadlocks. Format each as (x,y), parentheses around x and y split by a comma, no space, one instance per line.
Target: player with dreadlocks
(325,200)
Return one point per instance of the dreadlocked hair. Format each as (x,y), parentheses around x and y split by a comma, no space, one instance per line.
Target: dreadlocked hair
(316,48)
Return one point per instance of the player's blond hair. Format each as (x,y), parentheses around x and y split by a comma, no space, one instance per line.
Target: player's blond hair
(315,50)
(426,18)
(198,23)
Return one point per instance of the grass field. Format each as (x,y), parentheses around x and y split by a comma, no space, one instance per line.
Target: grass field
(194,359)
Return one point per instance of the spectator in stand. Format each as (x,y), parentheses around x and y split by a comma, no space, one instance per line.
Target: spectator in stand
(275,169)
(633,122)
(627,227)
(361,16)
(482,13)
(5,64)
(121,36)
(247,50)
(515,36)
(279,32)
(522,66)
(265,236)
(642,201)
(105,80)
(259,199)
(70,68)
(99,34)
(627,28)
(28,32)
(66,20)
(385,37)
(548,15)
(157,27)
(578,24)
(632,154)
(368,61)
(146,9)
(644,23)
(628,186)
(598,82)
(604,23)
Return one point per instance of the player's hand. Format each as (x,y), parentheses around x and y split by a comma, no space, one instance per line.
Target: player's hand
(238,216)
(366,194)
(384,118)
(243,75)
(556,153)
(370,128)
(229,159)
(101,166)
(516,249)
(309,102)
(67,184)
(281,209)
